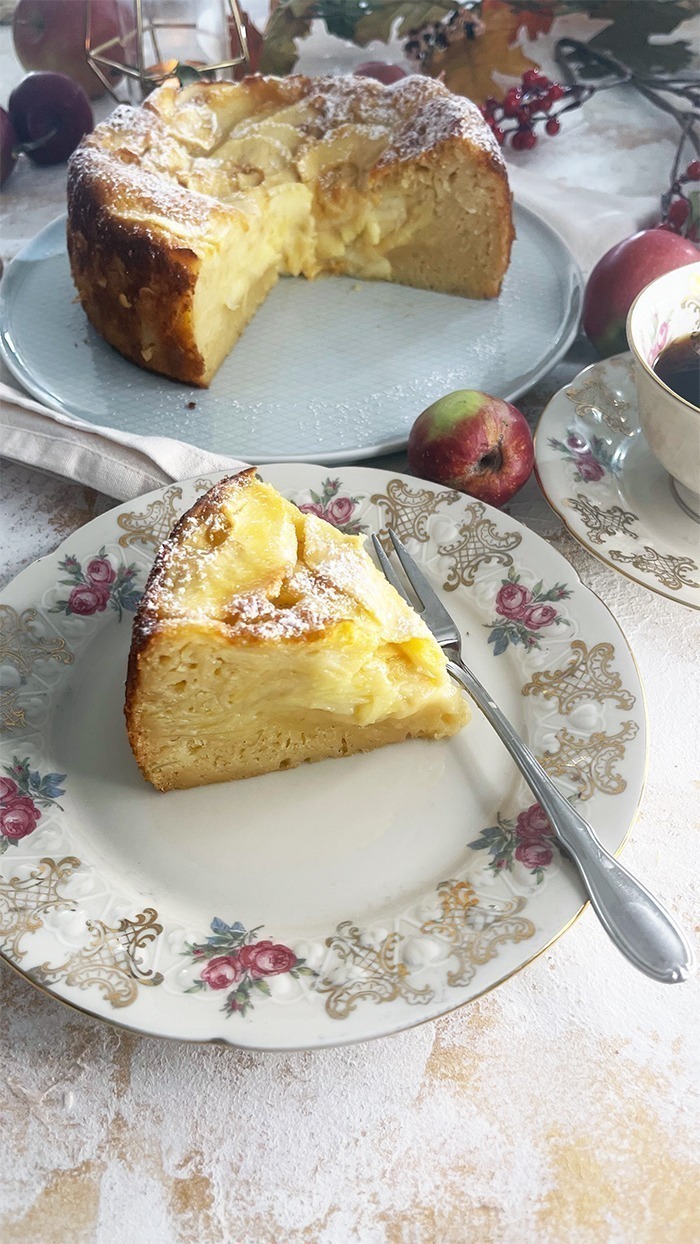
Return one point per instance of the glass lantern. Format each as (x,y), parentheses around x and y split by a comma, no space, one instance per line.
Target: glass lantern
(164,38)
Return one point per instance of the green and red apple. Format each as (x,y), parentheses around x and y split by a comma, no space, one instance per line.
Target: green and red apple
(475,443)
(50,34)
(621,274)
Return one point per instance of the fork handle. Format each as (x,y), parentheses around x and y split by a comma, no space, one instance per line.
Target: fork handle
(637,923)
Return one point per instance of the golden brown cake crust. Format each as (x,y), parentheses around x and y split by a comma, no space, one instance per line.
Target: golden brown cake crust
(149,608)
(138,232)
(127,276)
(146,618)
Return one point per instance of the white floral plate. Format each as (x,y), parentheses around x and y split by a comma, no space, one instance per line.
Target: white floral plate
(331,903)
(598,473)
(372,355)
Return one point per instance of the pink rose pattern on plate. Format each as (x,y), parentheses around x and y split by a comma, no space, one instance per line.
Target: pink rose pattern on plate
(96,585)
(236,961)
(336,509)
(23,794)
(524,612)
(592,459)
(527,838)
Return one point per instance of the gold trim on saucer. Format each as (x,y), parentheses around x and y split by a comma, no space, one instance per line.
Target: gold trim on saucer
(658,572)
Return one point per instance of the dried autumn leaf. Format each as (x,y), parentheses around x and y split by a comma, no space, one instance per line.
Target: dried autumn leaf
(468,67)
(363,21)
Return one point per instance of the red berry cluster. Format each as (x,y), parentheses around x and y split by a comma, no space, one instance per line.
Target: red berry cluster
(528,105)
(676,206)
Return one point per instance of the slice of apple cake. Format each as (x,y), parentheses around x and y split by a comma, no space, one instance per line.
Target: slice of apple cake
(265,637)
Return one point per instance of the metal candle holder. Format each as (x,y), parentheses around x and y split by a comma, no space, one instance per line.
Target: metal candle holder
(132,45)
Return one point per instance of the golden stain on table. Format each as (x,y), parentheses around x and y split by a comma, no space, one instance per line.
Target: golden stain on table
(69,1202)
(637,1180)
(554,1108)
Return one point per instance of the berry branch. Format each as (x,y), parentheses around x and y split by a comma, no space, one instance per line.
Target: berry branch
(532,103)
(585,72)
(680,209)
(424,41)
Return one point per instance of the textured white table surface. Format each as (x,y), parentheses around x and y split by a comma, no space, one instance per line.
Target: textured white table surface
(561,1107)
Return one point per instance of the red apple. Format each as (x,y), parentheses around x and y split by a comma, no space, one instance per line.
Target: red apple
(50,34)
(475,443)
(50,113)
(8,146)
(621,274)
(381,70)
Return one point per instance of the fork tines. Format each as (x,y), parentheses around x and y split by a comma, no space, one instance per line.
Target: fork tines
(389,572)
(435,615)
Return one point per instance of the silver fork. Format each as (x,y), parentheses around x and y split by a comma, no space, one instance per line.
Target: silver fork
(637,923)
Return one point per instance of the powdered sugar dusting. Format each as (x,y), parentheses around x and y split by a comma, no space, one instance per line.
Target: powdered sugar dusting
(252,615)
(149,161)
(415,114)
(333,580)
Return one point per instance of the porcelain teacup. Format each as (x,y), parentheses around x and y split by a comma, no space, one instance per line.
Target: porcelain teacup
(668,310)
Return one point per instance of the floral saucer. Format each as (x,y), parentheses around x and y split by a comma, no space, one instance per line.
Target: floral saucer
(598,473)
(330,903)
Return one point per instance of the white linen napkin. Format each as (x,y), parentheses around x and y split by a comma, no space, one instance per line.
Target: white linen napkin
(112,462)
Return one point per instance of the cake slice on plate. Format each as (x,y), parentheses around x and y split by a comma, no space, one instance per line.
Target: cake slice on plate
(265,637)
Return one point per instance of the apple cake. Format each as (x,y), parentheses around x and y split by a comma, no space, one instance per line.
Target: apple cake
(265,638)
(183,213)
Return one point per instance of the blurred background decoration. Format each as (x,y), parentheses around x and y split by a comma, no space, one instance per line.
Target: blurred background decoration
(475,45)
(129,46)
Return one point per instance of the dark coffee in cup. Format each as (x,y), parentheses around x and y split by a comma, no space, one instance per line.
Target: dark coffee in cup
(678,365)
